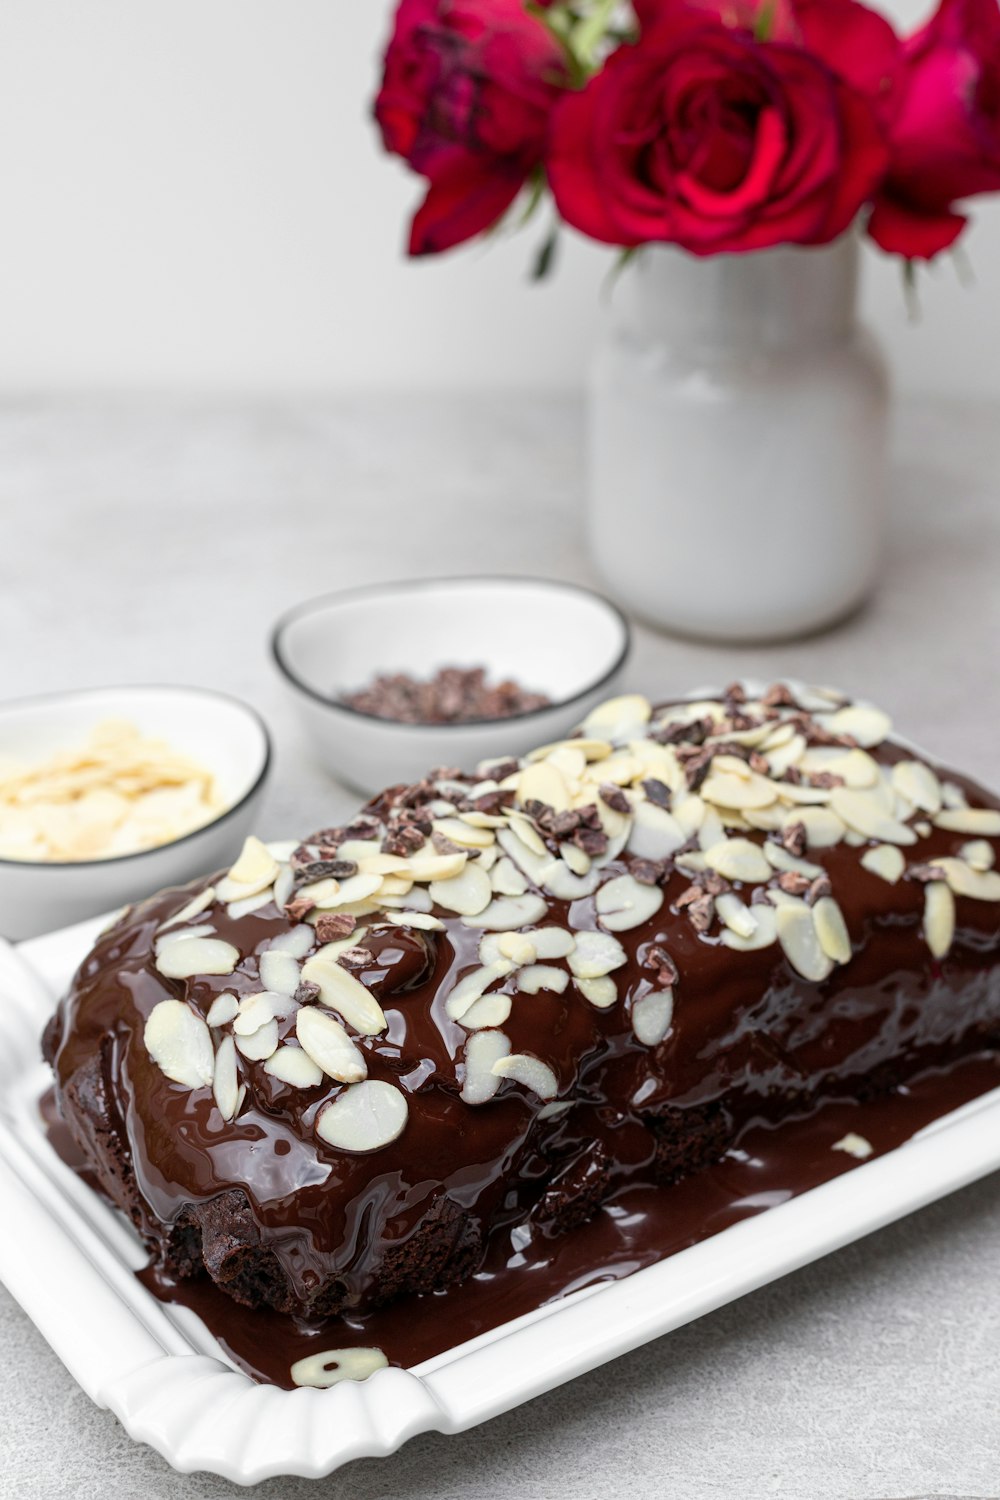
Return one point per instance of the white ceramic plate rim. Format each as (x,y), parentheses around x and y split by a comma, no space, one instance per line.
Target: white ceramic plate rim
(77,695)
(406,585)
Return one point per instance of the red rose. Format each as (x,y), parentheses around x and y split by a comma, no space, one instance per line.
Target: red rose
(465,98)
(946,140)
(703,136)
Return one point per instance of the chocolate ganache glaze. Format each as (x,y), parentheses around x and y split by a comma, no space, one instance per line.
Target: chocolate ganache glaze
(687,923)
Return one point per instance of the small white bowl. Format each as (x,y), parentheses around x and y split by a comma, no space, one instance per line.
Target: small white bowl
(216,731)
(550,637)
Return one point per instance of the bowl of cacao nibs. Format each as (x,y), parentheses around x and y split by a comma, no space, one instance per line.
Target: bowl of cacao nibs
(392,680)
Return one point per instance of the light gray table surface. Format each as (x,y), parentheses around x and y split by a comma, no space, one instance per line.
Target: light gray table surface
(157,540)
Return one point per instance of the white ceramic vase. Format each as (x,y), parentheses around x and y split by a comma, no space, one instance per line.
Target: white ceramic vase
(737,434)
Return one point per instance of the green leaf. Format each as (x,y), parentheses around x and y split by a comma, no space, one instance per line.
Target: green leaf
(623,259)
(764,23)
(587,36)
(910,293)
(545,257)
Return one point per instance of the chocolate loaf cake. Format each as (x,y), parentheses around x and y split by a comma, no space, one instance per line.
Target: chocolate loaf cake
(326,1076)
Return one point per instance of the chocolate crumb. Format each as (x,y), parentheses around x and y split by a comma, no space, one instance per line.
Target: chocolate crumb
(657,792)
(298,908)
(659,959)
(794,839)
(593,841)
(306,992)
(925,873)
(454,695)
(647,871)
(820,887)
(779,695)
(356,958)
(612,796)
(335,926)
(795,883)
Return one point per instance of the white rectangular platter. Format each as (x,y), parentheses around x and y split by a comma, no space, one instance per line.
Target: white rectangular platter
(70,1262)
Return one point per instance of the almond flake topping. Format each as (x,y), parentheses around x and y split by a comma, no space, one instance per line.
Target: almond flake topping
(326,1042)
(738,859)
(340,991)
(482,1050)
(596,954)
(365,1117)
(939,917)
(886,861)
(535,977)
(854,1145)
(334,1365)
(800,941)
(652,1017)
(528,1071)
(468,893)
(975,820)
(225,1084)
(624,903)
(294,1066)
(180,1043)
(185,957)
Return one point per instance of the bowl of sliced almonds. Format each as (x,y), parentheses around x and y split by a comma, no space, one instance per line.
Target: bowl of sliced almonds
(109,794)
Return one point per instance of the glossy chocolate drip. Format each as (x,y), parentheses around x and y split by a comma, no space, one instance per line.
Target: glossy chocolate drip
(751,1041)
(639,1225)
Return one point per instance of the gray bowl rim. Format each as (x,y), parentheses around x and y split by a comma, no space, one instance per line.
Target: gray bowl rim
(143,687)
(399,585)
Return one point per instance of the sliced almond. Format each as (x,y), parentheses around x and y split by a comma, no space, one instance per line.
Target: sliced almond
(831,929)
(223,1009)
(365,1117)
(194,908)
(939,917)
(188,957)
(800,941)
(541,782)
(738,859)
(711,830)
(886,861)
(727,789)
(789,753)
(553,942)
(279,971)
(294,1066)
(764,935)
(778,856)
(261,1043)
(343,993)
(863,722)
(975,820)
(225,1083)
(482,1050)
(624,903)
(979,855)
(256,865)
(327,1043)
(619,718)
(459,831)
(419,919)
(469,989)
(823,827)
(918,784)
(176,934)
(468,893)
(565,886)
(652,1017)
(237,910)
(655,833)
(854,1145)
(428,867)
(980,885)
(601,993)
(537,977)
(517,946)
(256,1010)
(736,915)
(528,835)
(592,749)
(534,866)
(180,1043)
(528,1071)
(507,912)
(578,861)
(489,1011)
(689,812)
(355,888)
(596,954)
